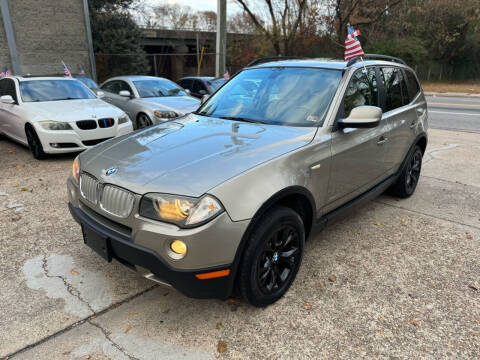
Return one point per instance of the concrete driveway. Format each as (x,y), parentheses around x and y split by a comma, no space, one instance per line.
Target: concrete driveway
(397,279)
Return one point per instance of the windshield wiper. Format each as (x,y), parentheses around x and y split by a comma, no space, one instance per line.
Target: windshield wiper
(237,118)
(67,98)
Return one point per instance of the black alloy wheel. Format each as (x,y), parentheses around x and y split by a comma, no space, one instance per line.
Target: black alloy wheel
(413,171)
(408,179)
(272,256)
(34,143)
(143,121)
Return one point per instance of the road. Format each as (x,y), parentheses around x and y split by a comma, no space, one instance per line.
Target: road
(454,113)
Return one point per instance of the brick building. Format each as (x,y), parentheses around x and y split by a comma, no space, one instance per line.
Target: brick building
(36,35)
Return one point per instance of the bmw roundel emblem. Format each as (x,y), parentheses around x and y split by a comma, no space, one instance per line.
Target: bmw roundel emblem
(111,171)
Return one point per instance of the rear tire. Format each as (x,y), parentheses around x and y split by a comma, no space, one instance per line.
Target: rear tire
(272,257)
(408,179)
(142,121)
(34,143)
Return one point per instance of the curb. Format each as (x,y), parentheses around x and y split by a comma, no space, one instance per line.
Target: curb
(451,94)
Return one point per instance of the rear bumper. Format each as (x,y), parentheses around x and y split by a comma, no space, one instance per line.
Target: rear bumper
(123,249)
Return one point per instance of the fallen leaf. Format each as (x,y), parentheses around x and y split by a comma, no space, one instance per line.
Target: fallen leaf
(381,318)
(221,346)
(469,236)
(131,313)
(73,272)
(218,326)
(332,278)
(307,306)
(322,283)
(473,287)
(128,329)
(88,357)
(231,300)
(476,333)
(403,220)
(24,189)
(378,223)
(414,322)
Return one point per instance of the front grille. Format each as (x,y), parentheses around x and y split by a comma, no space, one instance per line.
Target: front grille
(105,123)
(88,187)
(86,124)
(94,142)
(117,201)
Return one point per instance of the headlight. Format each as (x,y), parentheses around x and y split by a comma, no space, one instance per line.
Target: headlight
(165,114)
(180,210)
(123,119)
(76,169)
(55,125)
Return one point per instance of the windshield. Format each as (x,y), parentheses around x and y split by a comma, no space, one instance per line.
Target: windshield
(87,81)
(216,83)
(277,95)
(51,90)
(158,88)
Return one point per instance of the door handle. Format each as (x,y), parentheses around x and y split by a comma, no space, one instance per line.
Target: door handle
(412,124)
(382,140)
(420,111)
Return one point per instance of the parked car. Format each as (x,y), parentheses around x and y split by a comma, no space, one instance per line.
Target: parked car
(224,198)
(90,83)
(56,115)
(201,85)
(147,99)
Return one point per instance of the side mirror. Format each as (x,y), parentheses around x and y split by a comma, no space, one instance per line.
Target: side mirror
(204,98)
(100,94)
(362,117)
(125,93)
(7,99)
(187,91)
(202,92)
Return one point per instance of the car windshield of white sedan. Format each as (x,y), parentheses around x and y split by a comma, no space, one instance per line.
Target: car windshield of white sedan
(158,88)
(53,90)
(279,95)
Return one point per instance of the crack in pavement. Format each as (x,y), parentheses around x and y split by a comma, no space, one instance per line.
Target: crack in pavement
(70,288)
(448,181)
(434,151)
(424,214)
(107,336)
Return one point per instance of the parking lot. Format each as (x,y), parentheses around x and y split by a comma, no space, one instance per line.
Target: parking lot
(397,278)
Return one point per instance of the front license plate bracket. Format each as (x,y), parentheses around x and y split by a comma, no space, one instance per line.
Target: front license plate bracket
(98,243)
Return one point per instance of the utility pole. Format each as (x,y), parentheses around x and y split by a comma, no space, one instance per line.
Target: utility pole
(221,38)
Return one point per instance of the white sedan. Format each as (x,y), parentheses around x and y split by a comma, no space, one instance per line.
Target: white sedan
(57,115)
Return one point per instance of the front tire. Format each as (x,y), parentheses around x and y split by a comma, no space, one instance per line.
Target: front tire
(34,143)
(272,257)
(408,179)
(143,121)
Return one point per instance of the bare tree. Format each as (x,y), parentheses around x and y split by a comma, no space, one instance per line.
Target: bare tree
(278,20)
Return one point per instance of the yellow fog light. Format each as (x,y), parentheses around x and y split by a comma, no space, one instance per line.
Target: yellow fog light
(178,247)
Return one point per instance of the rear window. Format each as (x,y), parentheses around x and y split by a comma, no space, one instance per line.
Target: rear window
(413,83)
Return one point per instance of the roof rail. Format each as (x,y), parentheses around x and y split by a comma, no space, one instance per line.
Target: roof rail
(274,58)
(376,57)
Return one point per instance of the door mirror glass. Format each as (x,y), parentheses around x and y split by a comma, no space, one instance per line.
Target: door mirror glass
(125,93)
(7,99)
(202,92)
(100,94)
(204,98)
(362,117)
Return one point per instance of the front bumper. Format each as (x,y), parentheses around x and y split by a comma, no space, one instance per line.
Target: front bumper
(77,139)
(123,249)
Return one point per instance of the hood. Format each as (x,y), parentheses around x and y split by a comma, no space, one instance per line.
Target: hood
(180,104)
(192,155)
(72,110)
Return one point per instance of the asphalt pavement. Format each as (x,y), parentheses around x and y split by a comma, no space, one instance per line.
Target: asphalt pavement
(454,113)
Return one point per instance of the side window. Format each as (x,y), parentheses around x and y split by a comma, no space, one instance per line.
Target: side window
(3,85)
(413,84)
(186,84)
(123,85)
(393,84)
(110,86)
(10,89)
(197,86)
(362,90)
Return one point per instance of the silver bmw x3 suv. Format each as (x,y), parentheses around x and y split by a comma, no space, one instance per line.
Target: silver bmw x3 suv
(221,201)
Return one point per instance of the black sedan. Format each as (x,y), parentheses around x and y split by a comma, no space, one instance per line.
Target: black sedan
(201,85)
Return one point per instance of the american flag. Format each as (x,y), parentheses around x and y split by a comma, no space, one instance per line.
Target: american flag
(5,72)
(353,48)
(65,70)
(226,75)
